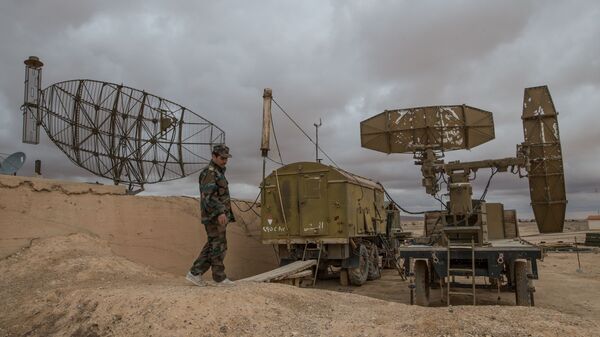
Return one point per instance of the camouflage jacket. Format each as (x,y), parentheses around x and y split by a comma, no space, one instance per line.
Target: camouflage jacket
(214,194)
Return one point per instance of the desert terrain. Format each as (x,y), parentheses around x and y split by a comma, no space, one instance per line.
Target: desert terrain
(88,260)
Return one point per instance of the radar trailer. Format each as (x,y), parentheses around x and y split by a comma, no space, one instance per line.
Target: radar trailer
(471,238)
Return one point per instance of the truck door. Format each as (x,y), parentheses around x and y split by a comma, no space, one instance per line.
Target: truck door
(313,204)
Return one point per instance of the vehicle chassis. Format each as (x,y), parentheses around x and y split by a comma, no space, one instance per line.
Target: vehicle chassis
(491,261)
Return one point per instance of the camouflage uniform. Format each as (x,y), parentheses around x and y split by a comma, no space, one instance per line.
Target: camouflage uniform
(214,201)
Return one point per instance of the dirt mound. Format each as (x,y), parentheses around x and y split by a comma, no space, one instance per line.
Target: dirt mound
(162,232)
(75,286)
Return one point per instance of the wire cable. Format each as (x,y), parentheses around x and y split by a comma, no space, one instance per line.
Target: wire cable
(398,205)
(251,206)
(250,209)
(276,144)
(441,201)
(275,161)
(494,171)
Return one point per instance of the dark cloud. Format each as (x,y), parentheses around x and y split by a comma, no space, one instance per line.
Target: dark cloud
(341,62)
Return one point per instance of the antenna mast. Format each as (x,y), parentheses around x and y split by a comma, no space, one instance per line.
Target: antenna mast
(31,112)
(317,142)
(266,127)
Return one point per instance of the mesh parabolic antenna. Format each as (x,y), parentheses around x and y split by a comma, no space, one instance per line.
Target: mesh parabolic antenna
(450,127)
(545,165)
(125,134)
(12,163)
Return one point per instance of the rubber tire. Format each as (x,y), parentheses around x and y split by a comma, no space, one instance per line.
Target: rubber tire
(421,283)
(374,270)
(358,275)
(522,295)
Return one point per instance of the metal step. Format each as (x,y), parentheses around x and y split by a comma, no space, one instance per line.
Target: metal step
(461,293)
(461,247)
(462,229)
(465,270)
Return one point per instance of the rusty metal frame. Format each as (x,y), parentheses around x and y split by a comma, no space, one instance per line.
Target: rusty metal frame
(115,132)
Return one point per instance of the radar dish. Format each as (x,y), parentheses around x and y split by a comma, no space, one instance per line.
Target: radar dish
(545,165)
(450,127)
(125,134)
(12,163)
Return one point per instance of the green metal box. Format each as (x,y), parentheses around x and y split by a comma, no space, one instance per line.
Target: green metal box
(310,202)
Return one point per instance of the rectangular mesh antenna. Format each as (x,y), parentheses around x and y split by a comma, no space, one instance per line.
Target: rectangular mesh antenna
(31,127)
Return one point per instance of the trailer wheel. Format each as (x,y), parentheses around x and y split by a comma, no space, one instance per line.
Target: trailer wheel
(421,283)
(374,271)
(522,283)
(358,275)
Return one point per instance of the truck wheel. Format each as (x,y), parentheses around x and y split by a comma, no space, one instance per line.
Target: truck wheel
(358,275)
(522,283)
(421,283)
(374,271)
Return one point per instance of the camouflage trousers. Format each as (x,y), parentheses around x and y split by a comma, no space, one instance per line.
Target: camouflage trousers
(213,252)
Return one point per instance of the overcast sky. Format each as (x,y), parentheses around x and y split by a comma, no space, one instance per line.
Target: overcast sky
(339,61)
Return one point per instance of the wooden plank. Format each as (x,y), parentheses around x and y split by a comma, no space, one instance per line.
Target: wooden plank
(282,272)
(304,273)
(344,281)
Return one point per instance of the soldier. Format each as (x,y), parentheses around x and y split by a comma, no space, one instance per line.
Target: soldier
(215,208)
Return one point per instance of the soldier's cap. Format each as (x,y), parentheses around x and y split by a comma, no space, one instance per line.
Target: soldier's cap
(221,150)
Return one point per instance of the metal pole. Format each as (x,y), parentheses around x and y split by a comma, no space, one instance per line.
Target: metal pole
(266,128)
(578,261)
(317,142)
(38,167)
(266,125)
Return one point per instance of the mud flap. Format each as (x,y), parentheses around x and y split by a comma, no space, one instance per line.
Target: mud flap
(352,262)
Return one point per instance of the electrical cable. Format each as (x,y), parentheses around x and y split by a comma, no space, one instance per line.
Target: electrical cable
(398,205)
(251,209)
(441,201)
(251,206)
(494,171)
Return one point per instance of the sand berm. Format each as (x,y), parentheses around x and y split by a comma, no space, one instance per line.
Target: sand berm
(74,285)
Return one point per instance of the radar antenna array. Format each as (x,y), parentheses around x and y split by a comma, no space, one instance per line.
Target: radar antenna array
(426,131)
(446,128)
(544,165)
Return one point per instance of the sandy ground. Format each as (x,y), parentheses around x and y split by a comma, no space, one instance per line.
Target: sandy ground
(75,286)
(88,260)
(560,287)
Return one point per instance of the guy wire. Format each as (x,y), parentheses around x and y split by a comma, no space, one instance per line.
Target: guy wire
(276,144)
(304,132)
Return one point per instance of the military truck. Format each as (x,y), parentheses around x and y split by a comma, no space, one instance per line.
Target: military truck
(314,211)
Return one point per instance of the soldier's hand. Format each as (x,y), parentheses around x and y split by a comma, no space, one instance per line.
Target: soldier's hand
(222,219)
